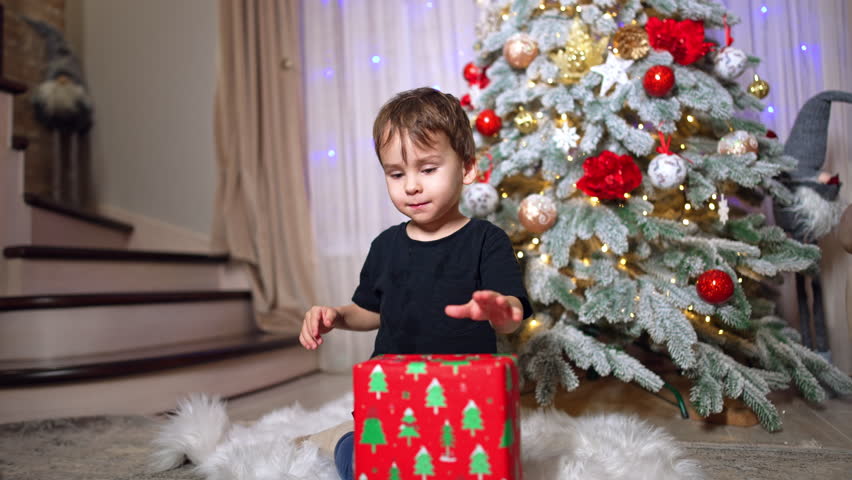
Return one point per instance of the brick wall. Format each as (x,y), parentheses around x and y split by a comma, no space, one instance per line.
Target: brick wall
(23,61)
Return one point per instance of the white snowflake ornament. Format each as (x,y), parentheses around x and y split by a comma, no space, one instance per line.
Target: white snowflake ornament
(723,209)
(566,137)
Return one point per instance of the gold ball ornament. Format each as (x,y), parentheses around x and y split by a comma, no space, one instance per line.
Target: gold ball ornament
(525,122)
(520,50)
(631,42)
(537,213)
(738,142)
(688,125)
(759,88)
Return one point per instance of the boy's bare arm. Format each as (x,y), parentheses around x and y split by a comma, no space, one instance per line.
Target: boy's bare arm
(356,318)
(320,320)
(504,312)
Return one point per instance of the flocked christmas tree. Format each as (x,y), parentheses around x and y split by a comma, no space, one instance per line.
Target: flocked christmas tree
(619,163)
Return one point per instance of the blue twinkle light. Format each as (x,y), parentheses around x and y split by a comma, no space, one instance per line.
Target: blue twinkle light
(376,59)
(328,72)
(771,109)
(804,47)
(763,9)
(331,153)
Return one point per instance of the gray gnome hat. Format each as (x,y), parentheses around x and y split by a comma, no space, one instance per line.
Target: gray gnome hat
(814,210)
(58,56)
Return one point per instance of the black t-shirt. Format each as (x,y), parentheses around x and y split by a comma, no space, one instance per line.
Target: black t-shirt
(409,282)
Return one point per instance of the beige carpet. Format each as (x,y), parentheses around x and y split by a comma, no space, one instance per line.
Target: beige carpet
(115,448)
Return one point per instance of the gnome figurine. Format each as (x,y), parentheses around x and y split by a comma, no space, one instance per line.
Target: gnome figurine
(815,210)
(62,104)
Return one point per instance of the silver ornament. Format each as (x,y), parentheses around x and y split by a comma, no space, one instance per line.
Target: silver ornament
(667,171)
(480,199)
(730,63)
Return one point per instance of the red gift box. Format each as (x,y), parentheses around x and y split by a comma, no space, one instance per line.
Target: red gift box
(437,417)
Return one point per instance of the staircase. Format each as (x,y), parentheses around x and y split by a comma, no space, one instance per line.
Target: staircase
(91,327)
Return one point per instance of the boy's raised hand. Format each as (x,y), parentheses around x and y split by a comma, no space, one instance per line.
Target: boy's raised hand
(505,313)
(318,321)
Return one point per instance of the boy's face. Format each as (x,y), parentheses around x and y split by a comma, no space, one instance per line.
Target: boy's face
(427,186)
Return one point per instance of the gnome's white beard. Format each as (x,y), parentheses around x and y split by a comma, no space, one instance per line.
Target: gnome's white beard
(61,98)
(815,215)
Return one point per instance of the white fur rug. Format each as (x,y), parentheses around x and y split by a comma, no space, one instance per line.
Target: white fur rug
(554,445)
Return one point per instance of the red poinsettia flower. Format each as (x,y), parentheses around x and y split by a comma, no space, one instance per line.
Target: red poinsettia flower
(683,39)
(609,175)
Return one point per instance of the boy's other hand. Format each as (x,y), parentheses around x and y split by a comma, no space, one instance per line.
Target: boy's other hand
(505,313)
(318,321)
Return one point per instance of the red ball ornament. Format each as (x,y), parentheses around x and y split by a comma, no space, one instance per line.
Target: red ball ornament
(471,72)
(659,81)
(714,286)
(465,101)
(488,123)
(771,134)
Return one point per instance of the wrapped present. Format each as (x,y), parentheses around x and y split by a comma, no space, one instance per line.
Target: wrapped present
(437,417)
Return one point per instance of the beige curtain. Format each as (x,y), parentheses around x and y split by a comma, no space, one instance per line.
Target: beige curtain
(262,215)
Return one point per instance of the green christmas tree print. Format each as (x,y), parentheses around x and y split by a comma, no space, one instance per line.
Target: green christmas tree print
(508,434)
(407,430)
(372,433)
(423,463)
(479,464)
(393,474)
(455,364)
(448,440)
(416,369)
(435,395)
(472,418)
(378,381)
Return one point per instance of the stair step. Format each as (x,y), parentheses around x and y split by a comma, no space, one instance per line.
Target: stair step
(156,391)
(42,327)
(11,86)
(108,254)
(38,270)
(129,362)
(41,302)
(51,205)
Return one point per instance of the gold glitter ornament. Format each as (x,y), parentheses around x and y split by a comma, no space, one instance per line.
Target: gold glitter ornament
(759,88)
(688,125)
(579,54)
(631,42)
(525,121)
(738,142)
(520,50)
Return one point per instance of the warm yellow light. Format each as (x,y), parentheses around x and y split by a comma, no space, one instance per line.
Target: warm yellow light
(605,248)
(531,84)
(571,159)
(636,298)
(550,81)
(711,206)
(713,196)
(707,318)
(632,315)
(681,187)
(545,258)
(623,261)
(740,280)
(594,200)
(685,221)
(535,241)
(673,280)
(687,206)
(682,146)
(645,213)
(533,323)
(558,177)
(690,118)
(539,115)
(721,331)
(586,262)
(626,195)
(641,126)
(520,254)
(541,6)
(690,308)
(505,195)
(645,197)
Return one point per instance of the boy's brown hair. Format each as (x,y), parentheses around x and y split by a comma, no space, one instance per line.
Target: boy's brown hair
(421,113)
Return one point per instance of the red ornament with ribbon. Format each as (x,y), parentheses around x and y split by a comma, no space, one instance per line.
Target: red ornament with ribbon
(683,39)
(609,175)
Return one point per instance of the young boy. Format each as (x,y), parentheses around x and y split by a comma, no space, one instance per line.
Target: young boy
(441,282)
